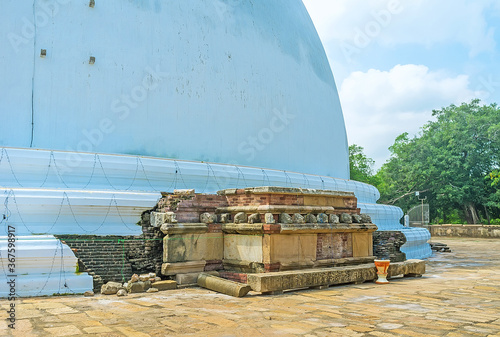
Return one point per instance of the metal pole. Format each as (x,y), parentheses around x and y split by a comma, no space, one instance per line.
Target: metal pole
(423,222)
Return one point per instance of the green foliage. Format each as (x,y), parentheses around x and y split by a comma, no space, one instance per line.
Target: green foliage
(361,167)
(455,160)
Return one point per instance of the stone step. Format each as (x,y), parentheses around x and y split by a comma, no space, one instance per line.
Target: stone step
(300,279)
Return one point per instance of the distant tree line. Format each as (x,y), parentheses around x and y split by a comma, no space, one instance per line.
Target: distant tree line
(454,161)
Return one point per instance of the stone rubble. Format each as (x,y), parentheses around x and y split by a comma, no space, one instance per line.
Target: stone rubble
(110,288)
(440,247)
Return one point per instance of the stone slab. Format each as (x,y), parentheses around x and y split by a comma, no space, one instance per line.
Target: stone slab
(243,247)
(362,244)
(182,267)
(184,228)
(165,285)
(291,251)
(286,280)
(192,247)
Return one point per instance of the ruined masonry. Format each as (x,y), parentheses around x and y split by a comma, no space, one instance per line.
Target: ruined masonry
(271,238)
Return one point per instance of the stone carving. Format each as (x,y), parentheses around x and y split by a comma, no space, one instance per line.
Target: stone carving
(297,218)
(157,219)
(365,218)
(322,218)
(269,218)
(334,218)
(285,218)
(240,217)
(208,218)
(310,218)
(356,218)
(254,218)
(225,218)
(345,218)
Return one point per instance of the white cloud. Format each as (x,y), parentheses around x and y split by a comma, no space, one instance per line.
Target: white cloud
(424,22)
(380,105)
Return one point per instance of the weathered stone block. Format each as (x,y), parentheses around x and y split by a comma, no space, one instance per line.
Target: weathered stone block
(138,287)
(297,218)
(183,267)
(243,247)
(334,218)
(240,217)
(290,251)
(165,285)
(345,218)
(356,218)
(193,247)
(122,292)
(285,218)
(365,218)
(158,219)
(254,218)
(224,218)
(269,218)
(110,288)
(322,218)
(279,281)
(191,278)
(310,218)
(208,218)
(362,244)
(224,286)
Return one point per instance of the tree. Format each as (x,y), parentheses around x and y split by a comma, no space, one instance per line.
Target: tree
(360,166)
(450,160)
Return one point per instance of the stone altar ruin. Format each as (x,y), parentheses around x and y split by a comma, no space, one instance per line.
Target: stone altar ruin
(272,238)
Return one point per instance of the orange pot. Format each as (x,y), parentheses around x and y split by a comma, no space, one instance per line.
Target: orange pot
(382,267)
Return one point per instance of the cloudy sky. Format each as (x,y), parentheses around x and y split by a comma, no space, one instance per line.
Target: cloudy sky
(394,61)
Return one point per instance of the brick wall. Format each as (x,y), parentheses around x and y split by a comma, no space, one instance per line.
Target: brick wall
(387,244)
(334,246)
(106,258)
(117,258)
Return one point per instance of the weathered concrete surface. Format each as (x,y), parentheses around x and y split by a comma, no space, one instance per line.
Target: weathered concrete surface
(458,296)
(224,286)
(329,276)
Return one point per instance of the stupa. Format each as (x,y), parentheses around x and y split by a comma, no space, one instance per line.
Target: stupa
(105,104)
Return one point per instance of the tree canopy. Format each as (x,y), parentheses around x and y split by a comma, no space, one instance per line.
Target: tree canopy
(454,161)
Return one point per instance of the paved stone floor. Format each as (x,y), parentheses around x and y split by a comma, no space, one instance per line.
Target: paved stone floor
(459,296)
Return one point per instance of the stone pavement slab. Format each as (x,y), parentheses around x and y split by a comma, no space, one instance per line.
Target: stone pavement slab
(458,296)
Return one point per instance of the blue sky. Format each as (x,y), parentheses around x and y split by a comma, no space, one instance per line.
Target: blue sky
(394,61)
